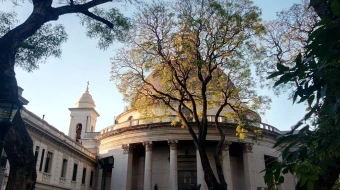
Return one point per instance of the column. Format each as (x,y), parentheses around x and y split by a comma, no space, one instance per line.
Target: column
(99,178)
(173,176)
(127,166)
(226,167)
(249,167)
(148,165)
(200,172)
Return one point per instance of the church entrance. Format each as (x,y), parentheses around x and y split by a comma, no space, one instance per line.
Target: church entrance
(187,171)
(186,178)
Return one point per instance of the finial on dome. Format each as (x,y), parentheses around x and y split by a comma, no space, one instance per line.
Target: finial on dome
(87,88)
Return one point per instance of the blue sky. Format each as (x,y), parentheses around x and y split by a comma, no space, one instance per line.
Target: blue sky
(59,83)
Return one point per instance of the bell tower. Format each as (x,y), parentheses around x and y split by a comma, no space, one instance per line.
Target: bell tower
(83,117)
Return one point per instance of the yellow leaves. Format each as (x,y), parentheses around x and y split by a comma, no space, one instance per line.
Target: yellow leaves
(242,136)
(231,116)
(174,122)
(258,131)
(241,131)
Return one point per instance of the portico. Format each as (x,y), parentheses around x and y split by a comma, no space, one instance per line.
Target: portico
(174,164)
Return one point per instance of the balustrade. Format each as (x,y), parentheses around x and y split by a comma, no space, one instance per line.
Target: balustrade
(73,184)
(210,118)
(46,177)
(62,181)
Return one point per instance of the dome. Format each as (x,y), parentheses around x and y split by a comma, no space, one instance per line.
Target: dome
(85,101)
(220,80)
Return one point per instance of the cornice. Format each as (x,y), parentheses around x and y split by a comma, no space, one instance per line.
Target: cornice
(92,109)
(57,137)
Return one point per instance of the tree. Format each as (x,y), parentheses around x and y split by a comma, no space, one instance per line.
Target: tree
(285,38)
(191,58)
(312,154)
(29,44)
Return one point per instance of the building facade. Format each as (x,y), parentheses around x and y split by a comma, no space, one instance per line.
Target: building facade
(61,162)
(135,154)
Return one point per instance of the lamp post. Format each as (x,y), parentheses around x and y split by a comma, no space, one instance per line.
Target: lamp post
(9,107)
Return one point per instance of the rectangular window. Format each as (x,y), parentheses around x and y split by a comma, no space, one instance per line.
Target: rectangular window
(84,176)
(91,179)
(42,159)
(36,154)
(48,162)
(63,168)
(74,175)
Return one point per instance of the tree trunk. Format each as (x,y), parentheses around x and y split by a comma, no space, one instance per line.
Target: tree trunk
(219,169)
(18,143)
(19,150)
(218,151)
(209,175)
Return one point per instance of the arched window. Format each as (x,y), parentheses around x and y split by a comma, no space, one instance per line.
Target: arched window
(79,127)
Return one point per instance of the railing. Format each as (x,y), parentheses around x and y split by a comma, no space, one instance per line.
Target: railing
(210,118)
(269,127)
(46,177)
(62,181)
(73,184)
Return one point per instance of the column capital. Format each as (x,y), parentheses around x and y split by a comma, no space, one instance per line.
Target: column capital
(173,143)
(248,148)
(148,145)
(226,145)
(128,148)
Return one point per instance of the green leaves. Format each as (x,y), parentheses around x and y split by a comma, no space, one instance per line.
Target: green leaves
(282,71)
(335,6)
(106,35)
(44,43)
(7,22)
(282,68)
(309,153)
(283,79)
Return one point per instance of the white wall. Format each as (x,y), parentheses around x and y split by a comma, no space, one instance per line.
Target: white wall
(86,116)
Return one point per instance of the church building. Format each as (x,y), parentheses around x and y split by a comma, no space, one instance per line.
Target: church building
(138,154)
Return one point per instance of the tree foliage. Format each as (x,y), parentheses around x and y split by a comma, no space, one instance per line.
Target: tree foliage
(285,38)
(46,42)
(30,43)
(312,154)
(107,25)
(193,58)
(36,49)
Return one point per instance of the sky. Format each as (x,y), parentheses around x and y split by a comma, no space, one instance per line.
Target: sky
(60,82)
